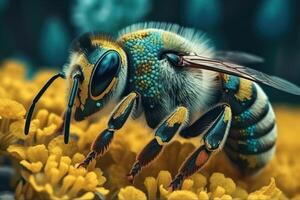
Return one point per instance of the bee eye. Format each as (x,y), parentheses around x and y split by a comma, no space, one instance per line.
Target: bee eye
(104,71)
(173,58)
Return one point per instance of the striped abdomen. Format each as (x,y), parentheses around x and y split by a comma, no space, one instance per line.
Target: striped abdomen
(252,137)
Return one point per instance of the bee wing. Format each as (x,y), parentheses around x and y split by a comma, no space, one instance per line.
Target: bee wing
(195,61)
(237,57)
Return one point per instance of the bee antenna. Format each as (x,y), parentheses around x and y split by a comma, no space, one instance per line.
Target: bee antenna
(36,99)
(68,113)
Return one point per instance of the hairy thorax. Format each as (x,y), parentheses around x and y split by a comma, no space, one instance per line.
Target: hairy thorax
(164,87)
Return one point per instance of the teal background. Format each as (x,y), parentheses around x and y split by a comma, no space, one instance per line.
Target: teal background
(38,32)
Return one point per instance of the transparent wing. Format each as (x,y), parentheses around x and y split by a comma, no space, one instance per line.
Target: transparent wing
(237,57)
(195,61)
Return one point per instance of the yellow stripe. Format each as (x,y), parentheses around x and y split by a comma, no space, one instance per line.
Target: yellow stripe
(227,114)
(108,44)
(178,116)
(109,88)
(124,104)
(159,141)
(245,90)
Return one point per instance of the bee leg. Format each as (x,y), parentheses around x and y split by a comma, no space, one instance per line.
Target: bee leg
(164,133)
(212,141)
(116,121)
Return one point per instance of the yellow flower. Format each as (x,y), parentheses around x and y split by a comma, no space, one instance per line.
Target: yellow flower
(203,195)
(50,172)
(182,194)
(267,192)
(25,191)
(10,112)
(16,87)
(151,187)
(47,166)
(43,128)
(54,99)
(219,180)
(130,192)
(193,187)
(10,109)
(13,68)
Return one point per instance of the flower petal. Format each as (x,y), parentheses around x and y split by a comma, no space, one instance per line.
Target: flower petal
(34,167)
(268,192)
(131,192)
(151,186)
(182,194)
(11,109)
(37,153)
(17,151)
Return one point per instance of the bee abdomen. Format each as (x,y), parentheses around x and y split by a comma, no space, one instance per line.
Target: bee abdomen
(250,164)
(253,145)
(251,141)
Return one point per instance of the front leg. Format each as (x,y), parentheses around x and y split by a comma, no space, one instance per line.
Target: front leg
(164,133)
(217,121)
(116,121)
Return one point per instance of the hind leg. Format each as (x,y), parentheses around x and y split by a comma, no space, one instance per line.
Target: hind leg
(217,122)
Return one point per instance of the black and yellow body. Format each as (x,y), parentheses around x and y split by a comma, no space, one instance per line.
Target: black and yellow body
(174,79)
(251,141)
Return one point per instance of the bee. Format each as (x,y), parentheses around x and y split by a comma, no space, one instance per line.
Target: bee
(175,79)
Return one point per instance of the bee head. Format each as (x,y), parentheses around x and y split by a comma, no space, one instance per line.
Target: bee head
(101,65)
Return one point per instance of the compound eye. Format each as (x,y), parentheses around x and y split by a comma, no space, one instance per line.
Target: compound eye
(172,57)
(104,71)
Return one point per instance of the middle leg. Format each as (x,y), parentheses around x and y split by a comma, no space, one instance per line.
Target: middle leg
(163,135)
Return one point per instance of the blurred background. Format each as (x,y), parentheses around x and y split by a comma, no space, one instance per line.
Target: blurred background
(38,33)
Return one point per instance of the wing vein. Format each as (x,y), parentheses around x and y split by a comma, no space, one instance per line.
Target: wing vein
(200,62)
